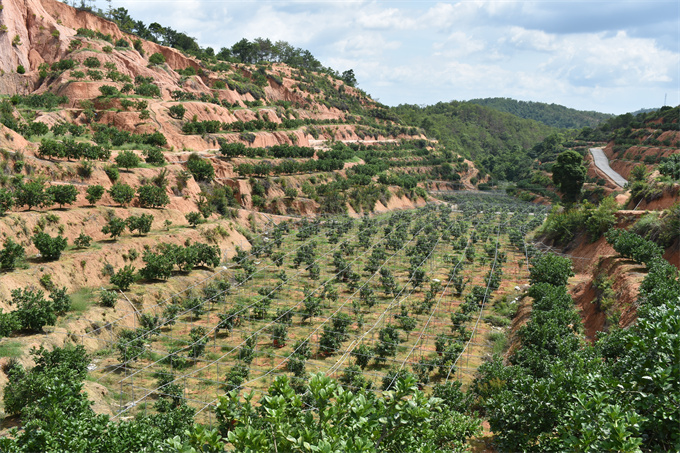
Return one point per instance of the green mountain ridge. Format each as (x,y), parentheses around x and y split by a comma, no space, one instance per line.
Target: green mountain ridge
(554,115)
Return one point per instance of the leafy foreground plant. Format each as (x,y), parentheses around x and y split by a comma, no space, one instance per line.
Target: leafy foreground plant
(560,393)
(56,415)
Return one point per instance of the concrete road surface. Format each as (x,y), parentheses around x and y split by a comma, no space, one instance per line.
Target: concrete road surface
(602,163)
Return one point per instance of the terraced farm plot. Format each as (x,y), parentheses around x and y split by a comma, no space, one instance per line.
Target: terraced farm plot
(363,300)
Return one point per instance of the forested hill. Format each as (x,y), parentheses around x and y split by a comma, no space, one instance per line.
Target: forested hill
(550,114)
(475,131)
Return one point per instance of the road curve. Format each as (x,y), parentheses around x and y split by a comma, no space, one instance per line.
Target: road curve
(601,162)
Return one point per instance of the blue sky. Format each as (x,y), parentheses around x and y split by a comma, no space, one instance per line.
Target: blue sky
(609,56)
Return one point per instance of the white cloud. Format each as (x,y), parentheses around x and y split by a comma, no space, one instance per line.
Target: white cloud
(595,55)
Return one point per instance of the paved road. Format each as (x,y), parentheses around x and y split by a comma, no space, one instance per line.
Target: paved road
(602,163)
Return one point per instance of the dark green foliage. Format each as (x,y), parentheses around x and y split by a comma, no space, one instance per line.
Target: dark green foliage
(127,159)
(61,302)
(108,298)
(11,254)
(131,345)
(63,194)
(33,310)
(633,246)
(141,224)
(32,194)
(50,248)
(199,338)
(94,194)
(114,227)
(569,174)
(403,420)
(388,340)
(109,91)
(156,59)
(124,277)
(6,201)
(122,193)
(152,196)
(551,269)
(154,156)
(549,114)
(158,266)
(670,166)
(194,218)
(177,111)
(201,169)
(92,62)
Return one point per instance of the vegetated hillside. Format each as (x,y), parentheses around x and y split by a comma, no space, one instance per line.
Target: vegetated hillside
(645,149)
(549,114)
(641,148)
(495,140)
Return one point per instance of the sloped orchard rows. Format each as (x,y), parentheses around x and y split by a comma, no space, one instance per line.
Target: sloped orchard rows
(253,311)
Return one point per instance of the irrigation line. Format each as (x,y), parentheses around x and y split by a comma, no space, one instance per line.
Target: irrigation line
(256,332)
(382,315)
(240,311)
(481,308)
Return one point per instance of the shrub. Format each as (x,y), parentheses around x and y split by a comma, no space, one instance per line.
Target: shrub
(82,241)
(92,62)
(6,201)
(33,310)
(94,194)
(201,169)
(148,90)
(127,159)
(633,246)
(50,247)
(124,277)
(152,196)
(154,156)
(21,69)
(63,194)
(122,43)
(156,59)
(177,111)
(122,193)
(112,173)
(114,227)
(109,91)
(552,269)
(61,302)
(194,218)
(32,194)
(142,223)
(11,254)
(108,298)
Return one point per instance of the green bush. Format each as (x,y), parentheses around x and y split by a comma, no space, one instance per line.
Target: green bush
(552,269)
(108,298)
(152,196)
(201,169)
(94,194)
(122,193)
(156,59)
(141,224)
(124,277)
(92,62)
(154,156)
(127,160)
(177,111)
(33,310)
(633,246)
(50,248)
(11,254)
(82,241)
(114,227)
